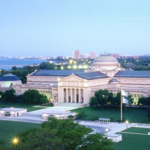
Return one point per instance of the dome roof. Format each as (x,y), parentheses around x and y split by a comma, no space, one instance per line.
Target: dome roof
(105,58)
(9,77)
(113,81)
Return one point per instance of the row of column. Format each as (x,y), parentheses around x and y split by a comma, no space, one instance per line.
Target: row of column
(73,95)
(46,93)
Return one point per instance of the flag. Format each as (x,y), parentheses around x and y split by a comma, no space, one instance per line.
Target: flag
(125,101)
(124,93)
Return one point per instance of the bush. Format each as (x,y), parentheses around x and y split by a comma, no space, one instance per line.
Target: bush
(95,118)
(2,143)
(143,119)
(112,118)
(70,117)
(81,115)
(148,114)
(124,119)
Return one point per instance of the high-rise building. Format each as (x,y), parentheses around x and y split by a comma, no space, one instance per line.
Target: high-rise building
(93,55)
(85,55)
(76,54)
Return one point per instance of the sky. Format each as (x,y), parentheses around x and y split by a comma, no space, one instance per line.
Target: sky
(58,27)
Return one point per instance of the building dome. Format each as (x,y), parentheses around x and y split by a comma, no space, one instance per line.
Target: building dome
(105,58)
(8,80)
(113,81)
(105,62)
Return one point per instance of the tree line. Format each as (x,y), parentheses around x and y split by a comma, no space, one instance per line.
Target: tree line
(29,97)
(24,71)
(104,97)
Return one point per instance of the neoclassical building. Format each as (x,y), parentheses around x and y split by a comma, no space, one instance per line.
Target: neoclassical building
(77,86)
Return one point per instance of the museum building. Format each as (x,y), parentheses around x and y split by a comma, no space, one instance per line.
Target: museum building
(78,86)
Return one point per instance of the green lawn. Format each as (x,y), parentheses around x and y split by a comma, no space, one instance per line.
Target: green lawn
(131,114)
(137,130)
(134,142)
(22,105)
(8,129)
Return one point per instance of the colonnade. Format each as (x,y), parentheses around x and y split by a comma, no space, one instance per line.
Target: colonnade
(46,93)
(73,95)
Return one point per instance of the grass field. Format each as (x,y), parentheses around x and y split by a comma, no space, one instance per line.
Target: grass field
(134,141)
(131,114)
(22,105)
(8,129)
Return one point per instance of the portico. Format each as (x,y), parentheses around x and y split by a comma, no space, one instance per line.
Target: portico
(73,95)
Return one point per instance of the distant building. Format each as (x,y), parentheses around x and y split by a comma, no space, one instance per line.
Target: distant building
(84,56)
(126,57)
(93,55)
(76,54)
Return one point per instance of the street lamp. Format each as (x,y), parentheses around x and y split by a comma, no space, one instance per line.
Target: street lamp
(127,124)
(15,141)
(106,131)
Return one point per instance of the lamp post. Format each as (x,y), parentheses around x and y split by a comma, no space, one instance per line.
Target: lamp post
(127,124)
(15,141)
(120,105)
(106,132)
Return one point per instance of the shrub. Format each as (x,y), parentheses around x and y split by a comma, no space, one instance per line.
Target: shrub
(112,118)
(70,117)
(143,119)
(95,118)
(124,118)
(81,115)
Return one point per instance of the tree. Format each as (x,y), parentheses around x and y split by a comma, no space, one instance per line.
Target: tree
(33,97)
(81,115)
(102,97)
(1,94)
(112,118)
(14,68)
(93,101)
(70,117)
(63,134)
(39,139)
(95,142)
(143,119)
(2,143)
(9,96)
(95,118)
(130,98)
(110,97)
(148,114)
(116,100)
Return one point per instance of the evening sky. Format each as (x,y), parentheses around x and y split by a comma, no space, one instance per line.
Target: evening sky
(57,27)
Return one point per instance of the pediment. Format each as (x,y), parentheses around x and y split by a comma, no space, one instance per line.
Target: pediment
(16,87)
(72,78)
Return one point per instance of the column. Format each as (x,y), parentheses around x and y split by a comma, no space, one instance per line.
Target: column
(70,95)
(66,95)
(75,96)
(83,96)
(79,97)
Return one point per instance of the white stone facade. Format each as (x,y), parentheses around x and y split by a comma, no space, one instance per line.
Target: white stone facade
(79,87)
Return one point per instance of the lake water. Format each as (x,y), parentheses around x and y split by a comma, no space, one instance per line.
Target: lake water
(9,63)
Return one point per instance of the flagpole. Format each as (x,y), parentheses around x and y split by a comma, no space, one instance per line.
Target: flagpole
(121,106)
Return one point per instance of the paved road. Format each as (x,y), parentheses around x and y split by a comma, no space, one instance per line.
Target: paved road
(95,129)
(98,129)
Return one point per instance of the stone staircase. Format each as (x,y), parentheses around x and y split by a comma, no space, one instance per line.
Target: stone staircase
(77,105)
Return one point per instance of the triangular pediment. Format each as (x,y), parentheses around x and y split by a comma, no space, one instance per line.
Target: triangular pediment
(72,78)
(16,87)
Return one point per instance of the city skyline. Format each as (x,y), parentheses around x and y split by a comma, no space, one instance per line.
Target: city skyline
(58,27)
